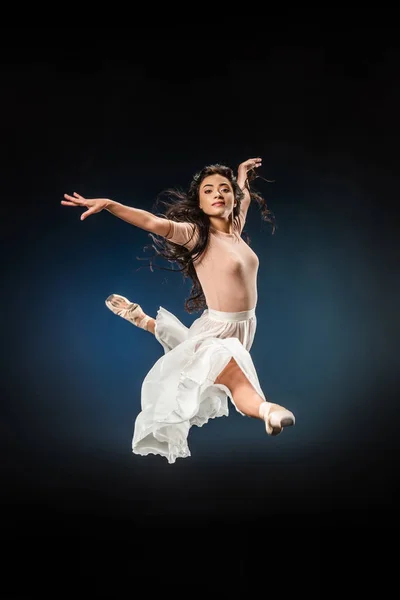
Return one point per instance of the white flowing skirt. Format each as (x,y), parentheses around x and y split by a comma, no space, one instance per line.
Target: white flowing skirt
(179,390)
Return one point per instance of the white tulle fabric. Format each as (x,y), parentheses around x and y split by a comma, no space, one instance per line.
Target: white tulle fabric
(179,391)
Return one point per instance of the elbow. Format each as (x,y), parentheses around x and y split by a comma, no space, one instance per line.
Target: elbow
(158,226)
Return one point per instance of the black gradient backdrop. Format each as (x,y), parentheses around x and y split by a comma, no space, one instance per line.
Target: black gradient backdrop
(126,120)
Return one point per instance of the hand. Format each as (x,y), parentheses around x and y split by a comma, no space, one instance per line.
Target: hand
(93,205)
(245,167)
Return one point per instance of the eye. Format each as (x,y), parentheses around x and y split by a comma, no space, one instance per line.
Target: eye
(207,191)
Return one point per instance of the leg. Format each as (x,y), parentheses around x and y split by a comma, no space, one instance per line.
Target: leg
(249,402)
(130,311)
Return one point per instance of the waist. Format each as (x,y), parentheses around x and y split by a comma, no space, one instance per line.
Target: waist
(219,315)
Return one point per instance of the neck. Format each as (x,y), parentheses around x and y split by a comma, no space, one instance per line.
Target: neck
(222,225)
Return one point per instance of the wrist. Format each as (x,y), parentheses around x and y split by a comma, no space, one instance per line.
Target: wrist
(110,204)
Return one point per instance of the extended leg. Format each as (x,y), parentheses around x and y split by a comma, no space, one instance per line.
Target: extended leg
(130,311)
(248,400)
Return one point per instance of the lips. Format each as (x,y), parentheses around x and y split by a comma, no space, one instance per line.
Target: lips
(217,203)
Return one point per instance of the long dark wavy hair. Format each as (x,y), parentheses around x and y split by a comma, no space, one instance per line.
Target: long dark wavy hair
(184,207)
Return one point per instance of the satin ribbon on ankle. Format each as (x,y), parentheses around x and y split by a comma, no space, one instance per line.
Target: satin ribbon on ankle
(144,322)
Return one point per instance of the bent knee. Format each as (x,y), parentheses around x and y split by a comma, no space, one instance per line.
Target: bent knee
(231,375)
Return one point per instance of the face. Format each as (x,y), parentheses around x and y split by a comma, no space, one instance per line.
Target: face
(216,196)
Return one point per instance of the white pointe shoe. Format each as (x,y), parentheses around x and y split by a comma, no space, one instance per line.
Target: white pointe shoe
(128,310)
(276,420)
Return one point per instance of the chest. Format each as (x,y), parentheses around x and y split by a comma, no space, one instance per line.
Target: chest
(230,257)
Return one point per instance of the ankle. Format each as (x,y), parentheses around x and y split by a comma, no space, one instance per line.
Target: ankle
(142,322)
(264,409)
(151,325)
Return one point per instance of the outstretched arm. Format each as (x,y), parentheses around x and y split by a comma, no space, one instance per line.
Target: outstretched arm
(133,216)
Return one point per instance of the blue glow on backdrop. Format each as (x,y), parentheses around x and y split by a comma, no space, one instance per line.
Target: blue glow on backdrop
(325,121)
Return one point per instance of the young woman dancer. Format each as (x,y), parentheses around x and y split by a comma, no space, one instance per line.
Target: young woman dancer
(210,361)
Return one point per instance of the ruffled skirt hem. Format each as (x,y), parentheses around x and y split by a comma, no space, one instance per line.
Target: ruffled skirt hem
(180,390)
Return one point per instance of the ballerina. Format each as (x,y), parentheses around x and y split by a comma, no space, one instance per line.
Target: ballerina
(209,362)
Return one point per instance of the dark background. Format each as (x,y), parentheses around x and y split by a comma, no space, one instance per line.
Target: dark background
(110,113)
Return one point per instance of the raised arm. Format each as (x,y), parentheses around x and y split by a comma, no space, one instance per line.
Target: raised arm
(243,169)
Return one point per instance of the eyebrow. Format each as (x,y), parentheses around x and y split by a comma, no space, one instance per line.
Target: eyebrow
(224,183)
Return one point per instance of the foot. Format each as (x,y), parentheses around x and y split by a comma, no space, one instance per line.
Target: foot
(130,311)
(275,417)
